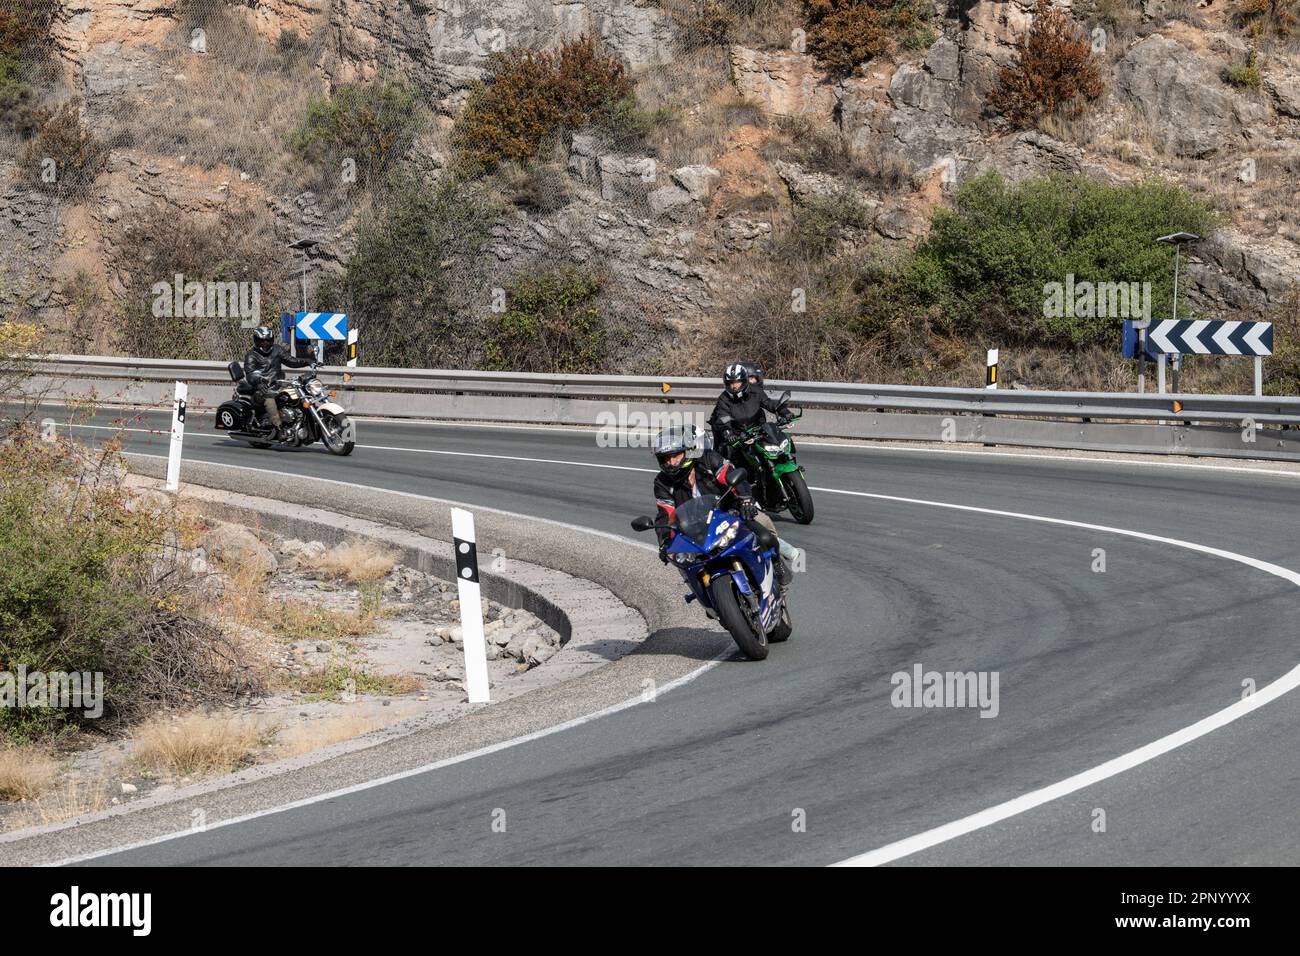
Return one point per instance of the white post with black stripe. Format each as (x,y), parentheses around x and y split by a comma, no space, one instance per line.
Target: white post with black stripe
(178,437)
(471,606)
(991,369)
(352,357)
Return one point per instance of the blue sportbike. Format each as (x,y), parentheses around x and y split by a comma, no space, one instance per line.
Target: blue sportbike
(730,572)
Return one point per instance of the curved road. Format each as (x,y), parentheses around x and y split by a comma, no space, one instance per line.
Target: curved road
(803,759)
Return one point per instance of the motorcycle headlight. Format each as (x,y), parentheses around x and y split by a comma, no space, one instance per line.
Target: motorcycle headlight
(685,557)
(774,449)
(315,388)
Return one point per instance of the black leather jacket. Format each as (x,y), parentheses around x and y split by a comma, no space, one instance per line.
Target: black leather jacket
(730,415)
(263,371)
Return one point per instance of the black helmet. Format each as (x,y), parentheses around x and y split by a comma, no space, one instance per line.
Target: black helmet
(263,339)
(736,373)
(671,442)
(755,371)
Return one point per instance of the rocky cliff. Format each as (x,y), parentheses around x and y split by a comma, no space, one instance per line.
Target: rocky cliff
(196,102)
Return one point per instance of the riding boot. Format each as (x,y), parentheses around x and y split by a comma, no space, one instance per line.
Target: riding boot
(784,572)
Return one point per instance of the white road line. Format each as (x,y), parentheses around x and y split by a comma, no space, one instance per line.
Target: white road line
(929,838)
(866,445)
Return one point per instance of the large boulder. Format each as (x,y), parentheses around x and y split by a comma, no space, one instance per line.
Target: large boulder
(784,83)
(232,546)
(1189,109)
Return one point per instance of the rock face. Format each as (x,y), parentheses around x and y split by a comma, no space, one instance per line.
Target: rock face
(1191,111)
(444,44)
(785,83)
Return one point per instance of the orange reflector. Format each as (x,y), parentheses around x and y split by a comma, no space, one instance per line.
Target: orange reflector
(705,578)
(333,393)
(1178,407)
(666,388)
(306,404)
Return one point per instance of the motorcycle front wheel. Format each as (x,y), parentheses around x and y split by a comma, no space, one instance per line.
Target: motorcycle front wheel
(801,503)
(726,601)
(332,435)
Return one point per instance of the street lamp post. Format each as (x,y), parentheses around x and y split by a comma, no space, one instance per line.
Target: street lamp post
(1176,239)
(302,245)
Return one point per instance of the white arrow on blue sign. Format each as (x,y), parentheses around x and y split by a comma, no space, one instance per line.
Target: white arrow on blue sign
(1203,337)
(330,326)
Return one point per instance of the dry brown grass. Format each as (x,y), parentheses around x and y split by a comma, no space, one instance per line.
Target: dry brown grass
(236,105)
(697,108)
(299,621)
(357,560)
(305,738)
(76,797)
(198,743)
(26,772)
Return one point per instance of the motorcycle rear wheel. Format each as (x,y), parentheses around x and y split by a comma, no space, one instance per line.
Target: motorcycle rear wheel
(752,642)
(783,627)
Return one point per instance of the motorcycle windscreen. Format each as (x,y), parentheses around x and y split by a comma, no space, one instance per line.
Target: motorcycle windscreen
(772,435)
(693,518)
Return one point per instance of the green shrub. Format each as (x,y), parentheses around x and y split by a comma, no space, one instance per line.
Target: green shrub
(819,224)
(373,125)
(1247,76)
(401,283)
(84,587)
(528,97)
(987,262)
(550,324)
(1055,70)
(843,34)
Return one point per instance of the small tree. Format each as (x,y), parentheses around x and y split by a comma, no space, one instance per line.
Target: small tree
(845,33)
(1055,69)
(529,96)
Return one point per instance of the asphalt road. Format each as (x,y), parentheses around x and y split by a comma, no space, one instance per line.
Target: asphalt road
(803,758)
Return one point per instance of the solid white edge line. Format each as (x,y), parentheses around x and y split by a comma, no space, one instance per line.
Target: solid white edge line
(866,444)
(1002,811)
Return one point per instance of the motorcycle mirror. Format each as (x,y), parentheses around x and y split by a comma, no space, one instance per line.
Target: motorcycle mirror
(785,397)
(642,523)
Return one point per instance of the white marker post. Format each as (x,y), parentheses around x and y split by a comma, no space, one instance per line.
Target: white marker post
(991,369)
(471,607)
(178,437)
(352,357)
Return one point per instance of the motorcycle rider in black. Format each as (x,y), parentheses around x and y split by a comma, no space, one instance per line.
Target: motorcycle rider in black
(262,369)
(741,404)
(686,473)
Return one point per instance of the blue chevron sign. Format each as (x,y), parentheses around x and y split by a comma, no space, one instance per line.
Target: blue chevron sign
(329,326)
(1204,337)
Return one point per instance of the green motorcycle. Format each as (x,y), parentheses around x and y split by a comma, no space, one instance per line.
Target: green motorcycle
(767,454)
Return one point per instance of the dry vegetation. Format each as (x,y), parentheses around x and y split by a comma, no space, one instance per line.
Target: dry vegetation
(26,772)
(199,743)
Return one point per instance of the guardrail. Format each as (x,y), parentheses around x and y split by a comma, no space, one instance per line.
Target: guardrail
(1225,425)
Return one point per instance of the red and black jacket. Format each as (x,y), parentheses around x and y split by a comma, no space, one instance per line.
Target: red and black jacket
(714,475)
